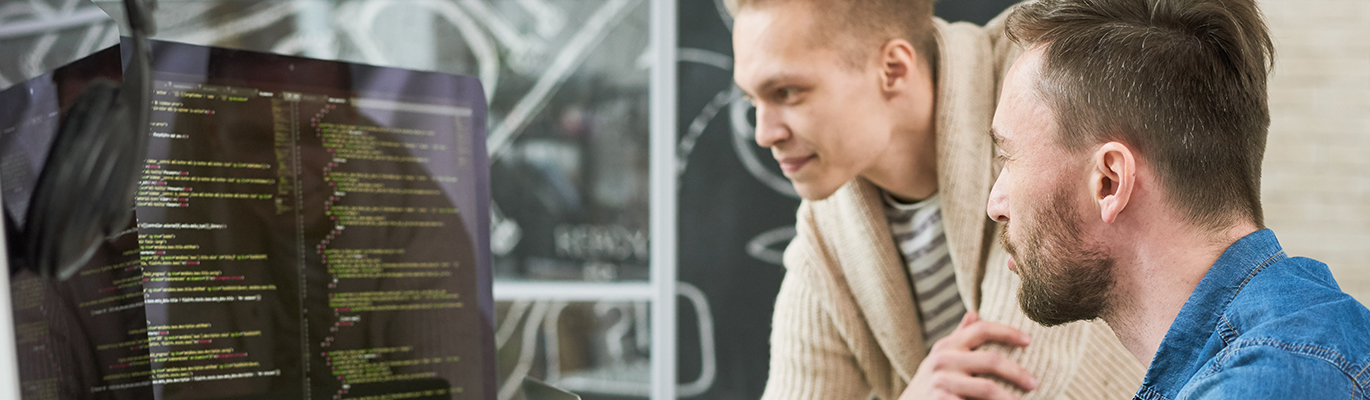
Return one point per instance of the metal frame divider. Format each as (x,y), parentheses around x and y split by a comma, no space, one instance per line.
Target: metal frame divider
(663,198)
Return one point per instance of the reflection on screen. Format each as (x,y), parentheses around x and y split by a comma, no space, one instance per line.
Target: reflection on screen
(305,229)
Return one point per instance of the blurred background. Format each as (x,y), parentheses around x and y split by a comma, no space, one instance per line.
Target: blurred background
(569,84)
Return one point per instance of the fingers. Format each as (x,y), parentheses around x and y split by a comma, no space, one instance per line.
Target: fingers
(973,388)
(969,363)
(968,319)
(985,363)
(954,366)
(979,332)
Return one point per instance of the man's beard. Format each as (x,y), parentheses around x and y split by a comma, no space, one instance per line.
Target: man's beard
(1065,279)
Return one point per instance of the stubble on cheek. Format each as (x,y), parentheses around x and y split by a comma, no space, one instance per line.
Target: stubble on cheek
(1065,278)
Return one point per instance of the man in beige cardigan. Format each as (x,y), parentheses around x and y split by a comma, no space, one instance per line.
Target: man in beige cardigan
(879,114)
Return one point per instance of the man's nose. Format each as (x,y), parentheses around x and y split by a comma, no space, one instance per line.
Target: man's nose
(770,128)
(998,199)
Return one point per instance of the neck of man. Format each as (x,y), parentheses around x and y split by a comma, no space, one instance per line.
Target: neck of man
(1168,257)
(907,168)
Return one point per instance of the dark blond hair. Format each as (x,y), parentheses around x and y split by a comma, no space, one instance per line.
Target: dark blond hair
(858,28)
(1182,82)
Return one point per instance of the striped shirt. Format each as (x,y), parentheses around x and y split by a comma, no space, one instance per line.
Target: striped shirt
(917,231)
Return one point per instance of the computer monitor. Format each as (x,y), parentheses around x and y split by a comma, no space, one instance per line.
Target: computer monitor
(304,229)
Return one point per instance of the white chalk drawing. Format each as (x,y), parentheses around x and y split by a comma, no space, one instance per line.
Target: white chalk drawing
(723,13)
(696,129)
(769,246)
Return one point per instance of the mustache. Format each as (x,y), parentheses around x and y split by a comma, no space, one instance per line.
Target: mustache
(1005,243)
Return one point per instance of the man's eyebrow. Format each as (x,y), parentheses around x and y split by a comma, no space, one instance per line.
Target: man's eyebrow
(771,82)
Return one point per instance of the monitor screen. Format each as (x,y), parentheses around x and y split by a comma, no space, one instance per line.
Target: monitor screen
(303,229)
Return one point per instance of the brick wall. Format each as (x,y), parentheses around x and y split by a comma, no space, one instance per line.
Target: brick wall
(1316,185)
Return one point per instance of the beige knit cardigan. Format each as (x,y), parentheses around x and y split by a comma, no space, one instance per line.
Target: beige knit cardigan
(846,325)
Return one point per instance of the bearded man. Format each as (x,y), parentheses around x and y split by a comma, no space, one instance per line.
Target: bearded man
(1131,134)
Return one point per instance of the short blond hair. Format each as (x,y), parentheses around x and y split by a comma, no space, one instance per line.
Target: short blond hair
(863,26)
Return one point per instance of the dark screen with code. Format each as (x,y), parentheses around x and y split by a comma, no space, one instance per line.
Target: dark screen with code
(304,229)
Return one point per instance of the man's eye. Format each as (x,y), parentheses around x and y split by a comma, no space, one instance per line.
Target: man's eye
(786,94)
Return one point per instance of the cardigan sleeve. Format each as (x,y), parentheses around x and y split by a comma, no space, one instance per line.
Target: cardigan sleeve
(809,359)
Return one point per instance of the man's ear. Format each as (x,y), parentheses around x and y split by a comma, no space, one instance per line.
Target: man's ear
(1113,177)
(897,65)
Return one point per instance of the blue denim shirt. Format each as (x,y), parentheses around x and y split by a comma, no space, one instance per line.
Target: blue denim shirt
(1262,325)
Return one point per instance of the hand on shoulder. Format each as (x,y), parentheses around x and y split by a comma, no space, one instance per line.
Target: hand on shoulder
(955,369)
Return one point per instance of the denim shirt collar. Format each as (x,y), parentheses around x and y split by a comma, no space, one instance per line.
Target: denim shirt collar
(1183,350)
